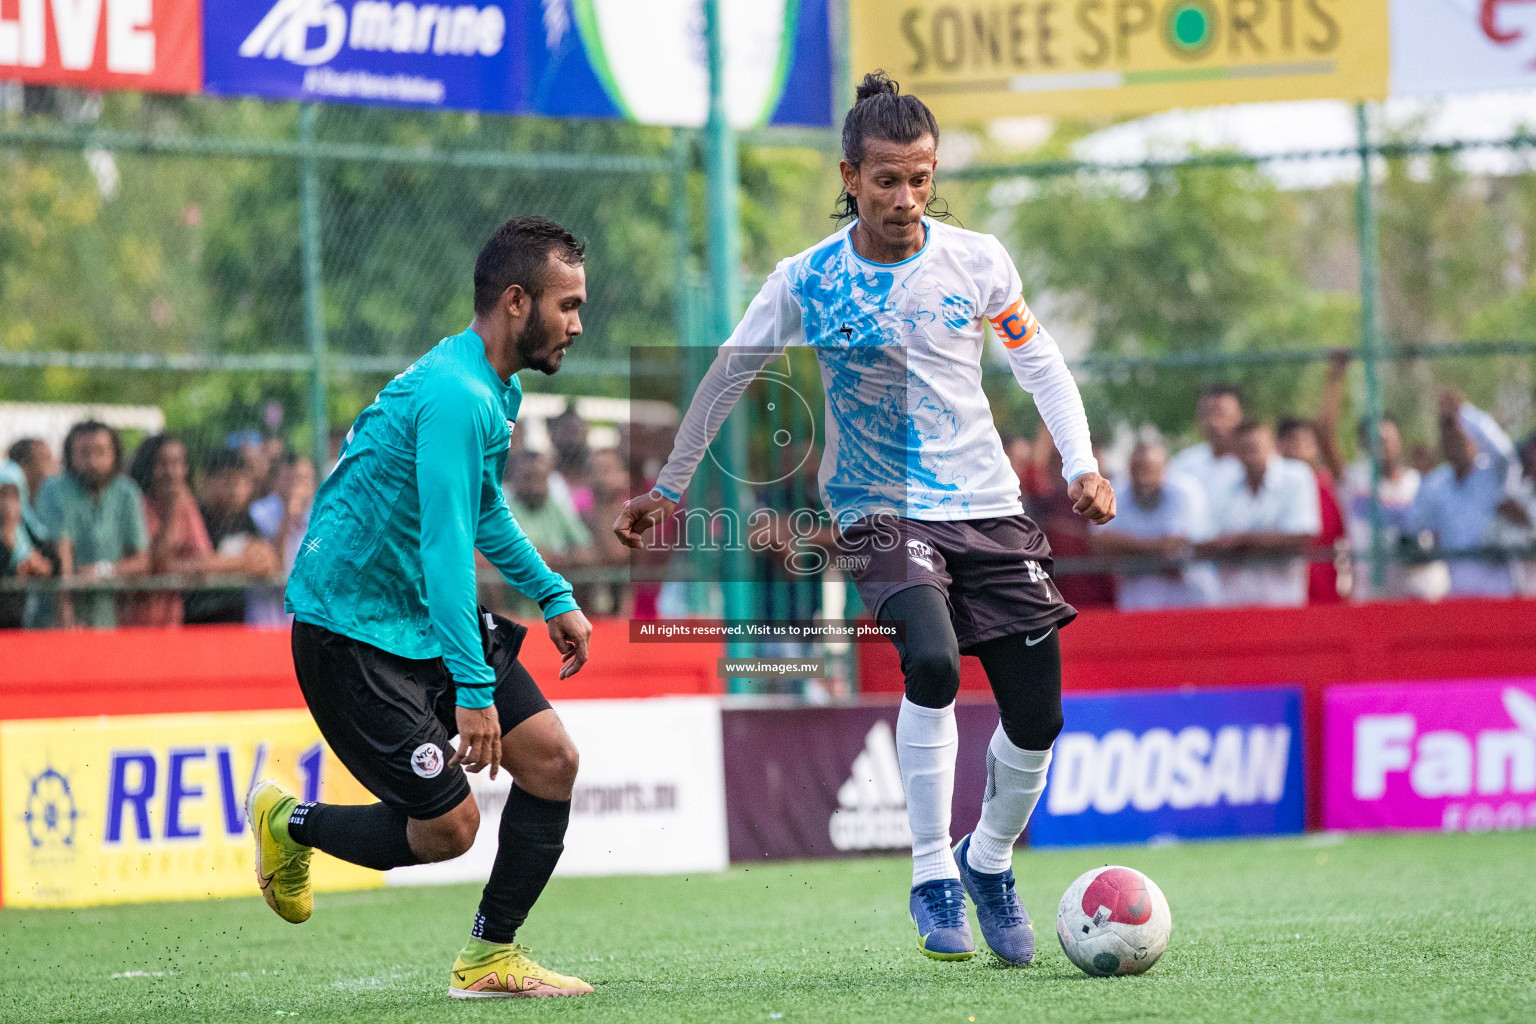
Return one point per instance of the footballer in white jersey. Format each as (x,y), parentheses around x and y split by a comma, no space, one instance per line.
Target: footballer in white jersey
(924,500)
(900,345)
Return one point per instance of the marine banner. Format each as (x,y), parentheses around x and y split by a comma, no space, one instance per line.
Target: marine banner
(557,58)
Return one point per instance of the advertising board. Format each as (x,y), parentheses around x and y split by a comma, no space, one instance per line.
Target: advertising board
(1174,764)
(978,60)
(1444,756)
(149,45)
(152,807)
(649,795)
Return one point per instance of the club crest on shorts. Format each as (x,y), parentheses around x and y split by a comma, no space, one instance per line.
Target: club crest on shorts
(921,553)
(427,760)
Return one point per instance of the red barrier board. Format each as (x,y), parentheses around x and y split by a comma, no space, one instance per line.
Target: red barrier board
(62,674)
(152,45)
(1313,646)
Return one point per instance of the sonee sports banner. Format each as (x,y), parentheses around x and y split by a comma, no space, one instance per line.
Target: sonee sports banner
(980,59)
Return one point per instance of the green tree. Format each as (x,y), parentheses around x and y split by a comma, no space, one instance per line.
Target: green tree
(1202,260)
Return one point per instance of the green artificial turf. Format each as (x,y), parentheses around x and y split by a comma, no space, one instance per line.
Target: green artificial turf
(1386,928)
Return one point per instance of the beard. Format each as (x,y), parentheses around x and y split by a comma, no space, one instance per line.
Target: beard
(533,342)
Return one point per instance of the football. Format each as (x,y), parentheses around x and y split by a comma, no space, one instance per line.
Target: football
(1113,920)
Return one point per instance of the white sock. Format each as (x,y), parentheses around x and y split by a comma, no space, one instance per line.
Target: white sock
(927,741)
(1015,780)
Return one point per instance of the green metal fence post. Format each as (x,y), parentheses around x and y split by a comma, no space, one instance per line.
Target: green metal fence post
(725,288)
(314,304)
(1370,340)
(686,314)
(843,91)
(681,242)
(842,61)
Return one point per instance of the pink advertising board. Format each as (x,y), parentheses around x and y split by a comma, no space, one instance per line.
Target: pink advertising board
(1453,756)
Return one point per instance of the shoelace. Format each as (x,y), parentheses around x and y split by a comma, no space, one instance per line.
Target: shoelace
(946,905)
(525,954)
(1001,900)
(536,970)
(289,886)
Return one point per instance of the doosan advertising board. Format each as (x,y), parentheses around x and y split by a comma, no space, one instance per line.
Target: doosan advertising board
(1195,765)
(1453,756)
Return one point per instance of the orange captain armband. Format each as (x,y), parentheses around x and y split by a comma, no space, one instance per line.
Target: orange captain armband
(1015,325)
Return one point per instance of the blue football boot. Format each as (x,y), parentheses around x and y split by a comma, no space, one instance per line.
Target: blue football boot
(1004,921)
(943,929)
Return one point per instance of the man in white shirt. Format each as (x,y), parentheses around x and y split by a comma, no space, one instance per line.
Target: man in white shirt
(1399,485)
(1460,499)
(1211,464)
(1267,511)
(1163,516)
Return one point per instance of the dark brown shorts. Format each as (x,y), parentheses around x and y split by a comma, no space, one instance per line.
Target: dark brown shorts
(995,573)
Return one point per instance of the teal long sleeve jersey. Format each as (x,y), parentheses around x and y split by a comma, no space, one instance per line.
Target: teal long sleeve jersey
(389,557)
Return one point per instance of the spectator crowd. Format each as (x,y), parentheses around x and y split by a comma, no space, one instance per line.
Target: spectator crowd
(103,523)
(221,532)
(1261,514)
(1254,514)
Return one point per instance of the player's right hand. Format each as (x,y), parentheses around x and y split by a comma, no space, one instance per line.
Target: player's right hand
(1092,498)
(640,514)
(479,739)
(571,633)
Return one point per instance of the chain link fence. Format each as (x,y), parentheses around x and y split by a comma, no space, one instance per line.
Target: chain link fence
(157,249)
(249,274)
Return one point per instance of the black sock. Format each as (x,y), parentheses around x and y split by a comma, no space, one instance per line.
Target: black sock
(529,844)
(372,835)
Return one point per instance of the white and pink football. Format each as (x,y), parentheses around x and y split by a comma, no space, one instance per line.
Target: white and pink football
(1113,920)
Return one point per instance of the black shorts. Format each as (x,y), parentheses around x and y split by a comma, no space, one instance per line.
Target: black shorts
(995,573)
(390,719)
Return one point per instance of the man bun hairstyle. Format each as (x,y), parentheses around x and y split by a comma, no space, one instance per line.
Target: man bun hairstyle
(518,254)
(882,111)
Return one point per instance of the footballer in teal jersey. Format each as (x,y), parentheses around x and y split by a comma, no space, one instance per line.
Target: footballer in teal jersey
(390,650)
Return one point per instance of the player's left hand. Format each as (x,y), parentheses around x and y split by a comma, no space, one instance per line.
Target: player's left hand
(1092,498)
(571,633)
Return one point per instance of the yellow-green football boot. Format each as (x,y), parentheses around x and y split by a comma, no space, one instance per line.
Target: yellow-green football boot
(282,865)
(489,971)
